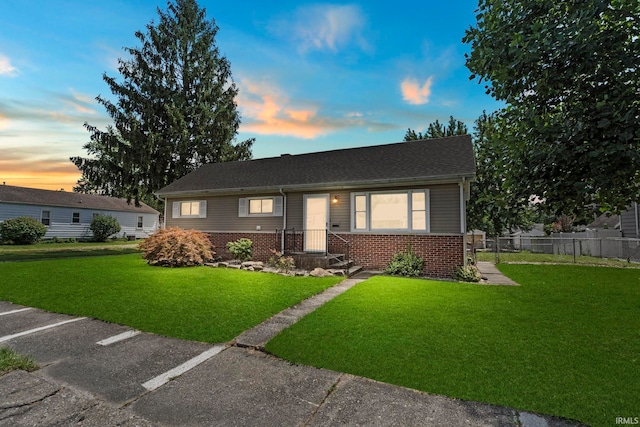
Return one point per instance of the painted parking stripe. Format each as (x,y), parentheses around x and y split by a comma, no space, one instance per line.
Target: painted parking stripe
(120,337)
(15,311)
(162,379)
(41,328)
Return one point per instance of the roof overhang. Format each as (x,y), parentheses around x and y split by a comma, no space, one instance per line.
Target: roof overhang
(383,183)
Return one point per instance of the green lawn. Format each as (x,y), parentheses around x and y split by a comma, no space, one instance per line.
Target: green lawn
(44,250)
(196,303)
(566,342)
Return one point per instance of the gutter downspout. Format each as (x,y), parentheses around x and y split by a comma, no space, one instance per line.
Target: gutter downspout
(463,222)
(284,219)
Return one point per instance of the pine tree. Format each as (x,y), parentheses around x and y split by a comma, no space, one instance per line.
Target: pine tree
(438,130)
(175,110)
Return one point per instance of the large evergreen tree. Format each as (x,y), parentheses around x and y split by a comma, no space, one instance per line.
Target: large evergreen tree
(569,72)
(174,109)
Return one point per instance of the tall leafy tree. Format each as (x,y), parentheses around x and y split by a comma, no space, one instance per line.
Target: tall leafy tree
(174,111)
(494,206)
(569,72)
(438,130)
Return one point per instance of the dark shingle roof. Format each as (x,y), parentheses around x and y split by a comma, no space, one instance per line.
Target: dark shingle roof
(34,196)
(426,160)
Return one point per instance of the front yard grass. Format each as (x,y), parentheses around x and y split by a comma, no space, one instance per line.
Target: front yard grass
(195,303)
(565,343)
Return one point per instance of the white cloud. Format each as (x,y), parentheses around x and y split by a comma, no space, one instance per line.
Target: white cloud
(6,69)
(414,93)
(324,27)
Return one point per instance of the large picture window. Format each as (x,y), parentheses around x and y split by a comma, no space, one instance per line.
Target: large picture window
(391,211)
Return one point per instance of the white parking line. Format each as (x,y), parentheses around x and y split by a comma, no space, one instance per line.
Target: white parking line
(120,337)
(16,311)
(162,379)
(41,328)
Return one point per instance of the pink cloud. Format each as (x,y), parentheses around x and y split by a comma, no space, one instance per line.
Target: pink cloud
(266,110)
(414,93)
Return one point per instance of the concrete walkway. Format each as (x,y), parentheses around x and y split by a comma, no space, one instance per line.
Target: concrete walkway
(93,374)
(492,276)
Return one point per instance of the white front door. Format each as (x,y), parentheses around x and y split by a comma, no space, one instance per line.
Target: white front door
(316,218)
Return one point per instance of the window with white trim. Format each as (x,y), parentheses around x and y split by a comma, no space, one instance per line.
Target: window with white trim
(190,209)
(406,210)
(140,221)
(260,206)
(75,218)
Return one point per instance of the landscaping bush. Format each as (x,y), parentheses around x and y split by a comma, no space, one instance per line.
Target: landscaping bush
(104,226)
(175,247)
(23,230)
(282,263)
(241,249)
(469,273)
(405,264)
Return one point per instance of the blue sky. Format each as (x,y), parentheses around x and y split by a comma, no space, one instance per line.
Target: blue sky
(312,76)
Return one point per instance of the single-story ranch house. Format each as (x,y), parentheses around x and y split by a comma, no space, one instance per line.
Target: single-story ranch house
(370,201)
(69,215)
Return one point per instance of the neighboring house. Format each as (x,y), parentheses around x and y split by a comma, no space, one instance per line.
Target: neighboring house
(630,221)
(380,199)
(68,215)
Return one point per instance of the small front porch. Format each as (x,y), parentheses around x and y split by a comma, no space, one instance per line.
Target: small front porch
(317,248)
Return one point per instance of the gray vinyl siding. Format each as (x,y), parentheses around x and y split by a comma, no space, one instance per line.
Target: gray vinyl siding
(445,208)
(222,216)
(61,220)
(222,212)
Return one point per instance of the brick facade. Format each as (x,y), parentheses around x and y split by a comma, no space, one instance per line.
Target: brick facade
(262,244)
(442,253)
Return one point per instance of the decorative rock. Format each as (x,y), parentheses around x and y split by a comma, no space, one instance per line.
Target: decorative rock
(223,264)
(320,272)
(269,270)
(236,266)
(212,264)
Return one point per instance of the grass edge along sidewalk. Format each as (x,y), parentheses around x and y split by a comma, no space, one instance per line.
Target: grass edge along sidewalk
(195,303)
(564,343)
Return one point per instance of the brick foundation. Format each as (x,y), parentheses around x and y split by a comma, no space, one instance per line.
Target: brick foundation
(442,253)
(262,244)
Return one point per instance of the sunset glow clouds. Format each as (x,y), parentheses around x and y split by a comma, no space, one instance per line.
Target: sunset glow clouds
(311,76)
(414,93)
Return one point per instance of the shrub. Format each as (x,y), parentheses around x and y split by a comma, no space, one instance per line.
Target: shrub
(405,264)
(23,230)
(175,247)
(241,249)
(282,263)
(469,273)
(104,226)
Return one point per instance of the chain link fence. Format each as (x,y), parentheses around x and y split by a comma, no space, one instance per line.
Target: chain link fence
(566,245)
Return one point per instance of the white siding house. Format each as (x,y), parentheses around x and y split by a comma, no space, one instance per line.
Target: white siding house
(68,215)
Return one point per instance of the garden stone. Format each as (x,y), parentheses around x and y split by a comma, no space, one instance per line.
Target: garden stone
(223,264)
(236,266)
(320,272)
